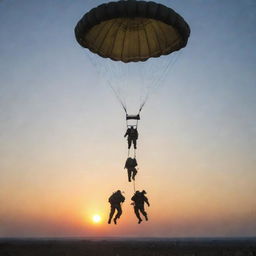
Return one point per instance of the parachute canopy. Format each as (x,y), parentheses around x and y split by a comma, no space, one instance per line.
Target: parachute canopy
(131,31)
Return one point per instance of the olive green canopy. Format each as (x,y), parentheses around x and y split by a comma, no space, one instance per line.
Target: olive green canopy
(131,31)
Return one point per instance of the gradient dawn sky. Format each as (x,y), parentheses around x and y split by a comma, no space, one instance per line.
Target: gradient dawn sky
(62,149)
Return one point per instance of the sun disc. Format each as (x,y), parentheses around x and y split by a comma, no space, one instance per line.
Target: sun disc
(96,218)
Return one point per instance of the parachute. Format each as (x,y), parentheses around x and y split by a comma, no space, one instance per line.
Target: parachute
(131,31)
(128,32)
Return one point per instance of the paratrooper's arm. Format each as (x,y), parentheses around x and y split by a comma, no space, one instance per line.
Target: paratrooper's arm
(126,133)
(146,201)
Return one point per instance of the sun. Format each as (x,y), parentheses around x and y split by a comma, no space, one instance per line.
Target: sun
(96,218)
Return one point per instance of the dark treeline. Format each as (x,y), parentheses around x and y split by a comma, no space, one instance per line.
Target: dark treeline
(128,248)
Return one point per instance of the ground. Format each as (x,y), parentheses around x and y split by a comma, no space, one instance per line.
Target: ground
(129,247)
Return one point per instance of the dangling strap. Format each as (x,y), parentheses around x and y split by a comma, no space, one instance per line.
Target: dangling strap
(134,187)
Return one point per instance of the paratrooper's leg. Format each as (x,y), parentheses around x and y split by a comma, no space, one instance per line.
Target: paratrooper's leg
(112,211)
(129,143)
(142,210)
(136,210)
(119,212)
(129,171)
(134,143)
(134,173)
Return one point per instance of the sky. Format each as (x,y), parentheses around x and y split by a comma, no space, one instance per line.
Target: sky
(62,149)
